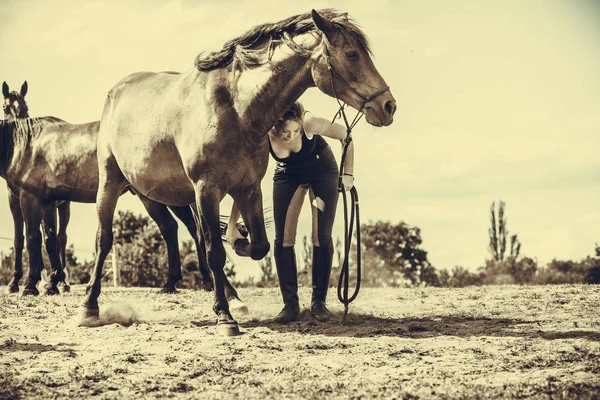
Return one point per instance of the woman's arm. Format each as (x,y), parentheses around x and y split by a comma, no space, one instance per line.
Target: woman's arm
(232,234)
(314,125)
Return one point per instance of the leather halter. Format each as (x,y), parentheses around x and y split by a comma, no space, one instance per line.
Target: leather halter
(341,112)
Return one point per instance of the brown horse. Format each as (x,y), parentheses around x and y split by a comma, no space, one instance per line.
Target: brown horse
(194,137)
(46,161)
(15,106)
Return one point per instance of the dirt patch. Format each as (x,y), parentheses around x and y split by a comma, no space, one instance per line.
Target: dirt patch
(501,342)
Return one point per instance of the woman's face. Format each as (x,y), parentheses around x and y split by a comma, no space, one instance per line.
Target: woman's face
(289,130)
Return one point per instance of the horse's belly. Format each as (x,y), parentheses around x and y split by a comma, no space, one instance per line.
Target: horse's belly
(178,193)
(159,176)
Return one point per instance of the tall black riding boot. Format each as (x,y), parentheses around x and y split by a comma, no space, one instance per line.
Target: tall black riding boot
(285,261)
(321,271)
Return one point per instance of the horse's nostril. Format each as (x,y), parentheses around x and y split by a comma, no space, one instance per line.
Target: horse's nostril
(390,107)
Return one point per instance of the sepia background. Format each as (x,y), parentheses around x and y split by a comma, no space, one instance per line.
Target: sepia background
(496,100)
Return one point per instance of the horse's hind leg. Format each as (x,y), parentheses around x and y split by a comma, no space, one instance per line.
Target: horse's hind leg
(64,215)
(32,213)
(168,229)
(207,201)
(19,242)
(109,189)
(186,216)
(49,219)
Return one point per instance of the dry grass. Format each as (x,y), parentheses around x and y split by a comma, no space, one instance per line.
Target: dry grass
(484,342)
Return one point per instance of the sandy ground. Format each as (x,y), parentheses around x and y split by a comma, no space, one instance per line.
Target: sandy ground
(481,342)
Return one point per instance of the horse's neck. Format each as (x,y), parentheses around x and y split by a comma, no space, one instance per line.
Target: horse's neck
(266,92)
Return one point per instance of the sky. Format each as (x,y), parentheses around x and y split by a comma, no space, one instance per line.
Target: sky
(497,100)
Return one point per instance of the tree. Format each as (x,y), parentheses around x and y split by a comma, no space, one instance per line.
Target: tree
(305,267)
(141,251)
(267,277)
(498,233)
(459,277)
(501,269)
(143,258)
(392,255)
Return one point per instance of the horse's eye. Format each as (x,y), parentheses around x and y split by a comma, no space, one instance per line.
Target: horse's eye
(353,55)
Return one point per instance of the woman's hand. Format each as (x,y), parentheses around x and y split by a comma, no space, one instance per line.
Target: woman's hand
(347,181)
(232,234)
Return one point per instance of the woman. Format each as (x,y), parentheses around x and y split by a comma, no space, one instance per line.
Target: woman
(305,163)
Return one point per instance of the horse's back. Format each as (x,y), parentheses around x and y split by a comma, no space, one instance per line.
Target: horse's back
(58,159)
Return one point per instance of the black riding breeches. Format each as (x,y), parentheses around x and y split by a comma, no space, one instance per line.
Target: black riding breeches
(317,175)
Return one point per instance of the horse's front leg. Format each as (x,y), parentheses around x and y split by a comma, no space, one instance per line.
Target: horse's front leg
(207,201)
(32,213)
(49,218)
(233,299)
(250,204)
(19,242)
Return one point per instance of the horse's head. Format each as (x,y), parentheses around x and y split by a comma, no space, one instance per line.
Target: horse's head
(343,69)
(14,105)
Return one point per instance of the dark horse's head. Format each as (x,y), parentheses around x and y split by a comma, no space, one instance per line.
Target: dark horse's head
(344,69)
(14,105)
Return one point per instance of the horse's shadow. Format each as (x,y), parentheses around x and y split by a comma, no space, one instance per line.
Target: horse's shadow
(361,325)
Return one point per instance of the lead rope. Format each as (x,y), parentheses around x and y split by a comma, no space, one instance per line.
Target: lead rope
(343,283)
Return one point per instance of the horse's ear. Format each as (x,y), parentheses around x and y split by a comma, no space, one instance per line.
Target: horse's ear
(5,90)
(323,24)
(24,89)
(342,17)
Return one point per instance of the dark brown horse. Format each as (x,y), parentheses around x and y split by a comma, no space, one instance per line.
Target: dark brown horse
(15,106)
(46,161)
(194,137)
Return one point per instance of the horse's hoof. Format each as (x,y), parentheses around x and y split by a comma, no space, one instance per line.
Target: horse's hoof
(89,317)
(238,306)
(259,252)
(10,289)
(229,328)
(30,292)
(226,325)
(169,290)
(52,291)
(242,247)
(87,312)
(66,288)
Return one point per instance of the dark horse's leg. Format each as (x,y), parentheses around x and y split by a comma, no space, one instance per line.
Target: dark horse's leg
(32,213)
(187,217)
(111,185)
(49,219)
(19,241)
(64,214)
(207,201)
(168,229)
